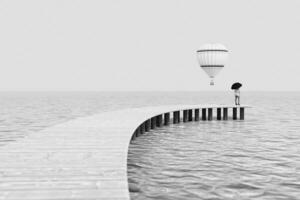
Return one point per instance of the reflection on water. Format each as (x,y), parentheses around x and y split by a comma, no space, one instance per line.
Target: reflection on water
(258,158)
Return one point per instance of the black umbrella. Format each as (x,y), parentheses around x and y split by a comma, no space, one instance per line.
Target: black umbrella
(236,86)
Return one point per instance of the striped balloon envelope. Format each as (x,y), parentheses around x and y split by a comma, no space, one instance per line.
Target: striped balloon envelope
(212,59)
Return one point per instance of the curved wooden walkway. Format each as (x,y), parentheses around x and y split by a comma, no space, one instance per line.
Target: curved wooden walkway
(85,158)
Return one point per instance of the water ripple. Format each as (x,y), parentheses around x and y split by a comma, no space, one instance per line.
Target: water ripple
(258,158)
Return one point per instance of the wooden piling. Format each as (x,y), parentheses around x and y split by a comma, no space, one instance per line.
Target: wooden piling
(219,114)
(174,118)
(185,115)
(148,125)
(166,118)
(159,120)
(203,113)
(137,132)
(177,113)
(225,113)
(210,113)
(142,128)
(153,122)
(190,115)
(234,113)
(197,115)
(242,113)
(132,137)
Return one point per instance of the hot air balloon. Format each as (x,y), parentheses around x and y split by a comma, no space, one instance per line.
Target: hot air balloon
(212,59)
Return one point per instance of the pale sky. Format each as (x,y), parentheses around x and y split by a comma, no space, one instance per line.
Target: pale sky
(139,45)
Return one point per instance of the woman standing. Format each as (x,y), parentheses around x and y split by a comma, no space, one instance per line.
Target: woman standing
(237,96)
(236,86)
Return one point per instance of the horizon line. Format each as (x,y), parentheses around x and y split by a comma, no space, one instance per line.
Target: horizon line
(144,91)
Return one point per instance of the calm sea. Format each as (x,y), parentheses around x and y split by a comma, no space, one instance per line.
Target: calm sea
(258,158)
(22,113)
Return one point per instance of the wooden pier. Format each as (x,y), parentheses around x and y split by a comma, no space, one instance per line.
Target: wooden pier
(86,158)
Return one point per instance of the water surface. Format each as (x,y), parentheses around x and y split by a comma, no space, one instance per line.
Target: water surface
(258,158)
(253,159)
(22,113)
